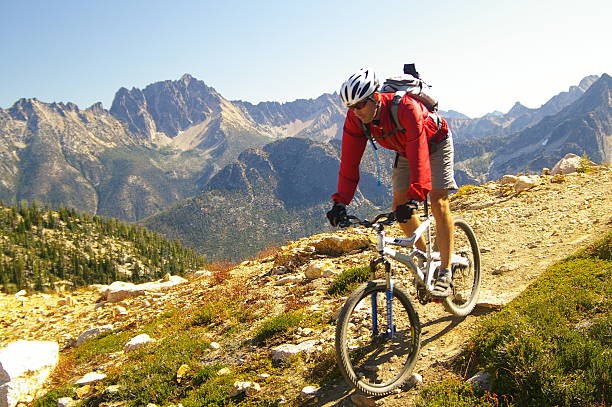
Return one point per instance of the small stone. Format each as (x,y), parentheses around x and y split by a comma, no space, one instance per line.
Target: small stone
(137,342)
(309,392)
(224,372)
(66,402)
(91,377)
(182,371)
(249,388)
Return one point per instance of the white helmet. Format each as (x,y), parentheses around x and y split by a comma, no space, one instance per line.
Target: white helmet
(358,86)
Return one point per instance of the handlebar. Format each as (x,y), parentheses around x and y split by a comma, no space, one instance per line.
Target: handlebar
(380,219)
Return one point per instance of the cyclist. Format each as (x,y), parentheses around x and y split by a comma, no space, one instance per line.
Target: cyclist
(423,163)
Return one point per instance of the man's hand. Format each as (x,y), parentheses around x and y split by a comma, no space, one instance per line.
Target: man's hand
(404,211)
(337,214)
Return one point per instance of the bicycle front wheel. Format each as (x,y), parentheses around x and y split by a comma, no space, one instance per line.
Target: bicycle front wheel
(466,271)
(374,356)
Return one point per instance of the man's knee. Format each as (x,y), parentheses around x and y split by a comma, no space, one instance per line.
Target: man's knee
(440,202)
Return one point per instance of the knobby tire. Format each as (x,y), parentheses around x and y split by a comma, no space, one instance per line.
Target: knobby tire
(375,364)
(466,280)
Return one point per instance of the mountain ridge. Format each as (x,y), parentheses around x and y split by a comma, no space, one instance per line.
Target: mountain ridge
(184,132)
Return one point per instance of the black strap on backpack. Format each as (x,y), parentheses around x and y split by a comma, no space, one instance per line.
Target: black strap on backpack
(393,111)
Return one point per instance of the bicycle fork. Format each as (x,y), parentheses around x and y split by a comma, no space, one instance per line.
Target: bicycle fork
(390,332)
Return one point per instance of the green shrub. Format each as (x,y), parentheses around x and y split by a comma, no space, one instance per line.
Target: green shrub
(279,325)
(551,345)
(348,280)
(153,378)
(465,190)
(456,394)
(585,164)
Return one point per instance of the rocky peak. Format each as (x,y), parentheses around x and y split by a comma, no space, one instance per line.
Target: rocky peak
(23,109)
(518,110)
(97,108)
(587,81)
(168,106)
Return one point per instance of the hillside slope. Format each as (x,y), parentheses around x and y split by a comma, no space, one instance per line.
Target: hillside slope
(519,234)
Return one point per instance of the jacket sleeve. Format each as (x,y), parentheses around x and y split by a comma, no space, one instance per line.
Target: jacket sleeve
(416,149)
(353,146)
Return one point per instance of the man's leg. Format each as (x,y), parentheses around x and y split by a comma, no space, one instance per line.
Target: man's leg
(442,175)
(399,197)
(440,208)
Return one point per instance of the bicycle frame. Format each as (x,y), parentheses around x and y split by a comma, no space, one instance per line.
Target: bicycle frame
(423,277)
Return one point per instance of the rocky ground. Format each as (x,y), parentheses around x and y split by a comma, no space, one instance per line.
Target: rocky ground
(520,235)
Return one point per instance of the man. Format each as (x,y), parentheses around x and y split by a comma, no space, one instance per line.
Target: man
(423,164)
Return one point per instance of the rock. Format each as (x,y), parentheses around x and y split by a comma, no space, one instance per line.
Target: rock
(318,269)
(214,345)
(120,310)
(137,342)
(83,391)
(482,379)
(567,165)
(502,268)
(203,273)
(289,280)
(508,180)
(416,380)
(335,244)
(309,392)
(66,402)
(120,290)
(24,366)
(298,253)
(249,388)
(285,352)
(278,270)
(182,371)
(224,372)
(524,183)
(90,377)
(93,333)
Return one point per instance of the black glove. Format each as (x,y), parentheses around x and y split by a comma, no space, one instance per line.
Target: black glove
(404,211)
(337,214)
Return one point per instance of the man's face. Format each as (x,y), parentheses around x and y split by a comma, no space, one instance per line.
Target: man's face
(365,110)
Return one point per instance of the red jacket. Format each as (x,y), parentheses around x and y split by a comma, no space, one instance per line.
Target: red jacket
(412,144)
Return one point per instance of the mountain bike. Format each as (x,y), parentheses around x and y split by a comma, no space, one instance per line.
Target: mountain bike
(378,333)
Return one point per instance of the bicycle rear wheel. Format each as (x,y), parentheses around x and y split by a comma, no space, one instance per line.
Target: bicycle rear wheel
(466,271)
(374,357)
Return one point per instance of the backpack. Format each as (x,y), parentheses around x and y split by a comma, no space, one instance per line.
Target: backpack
(409,83)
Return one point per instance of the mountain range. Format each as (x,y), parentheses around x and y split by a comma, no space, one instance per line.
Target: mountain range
(193,165)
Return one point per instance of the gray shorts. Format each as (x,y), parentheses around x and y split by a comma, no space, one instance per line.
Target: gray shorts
(441,158)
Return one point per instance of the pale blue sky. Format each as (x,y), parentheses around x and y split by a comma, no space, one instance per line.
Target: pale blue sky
(479,55)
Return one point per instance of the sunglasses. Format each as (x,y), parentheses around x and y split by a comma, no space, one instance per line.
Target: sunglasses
(360,105)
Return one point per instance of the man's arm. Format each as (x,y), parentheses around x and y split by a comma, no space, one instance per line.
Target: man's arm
(353,146)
